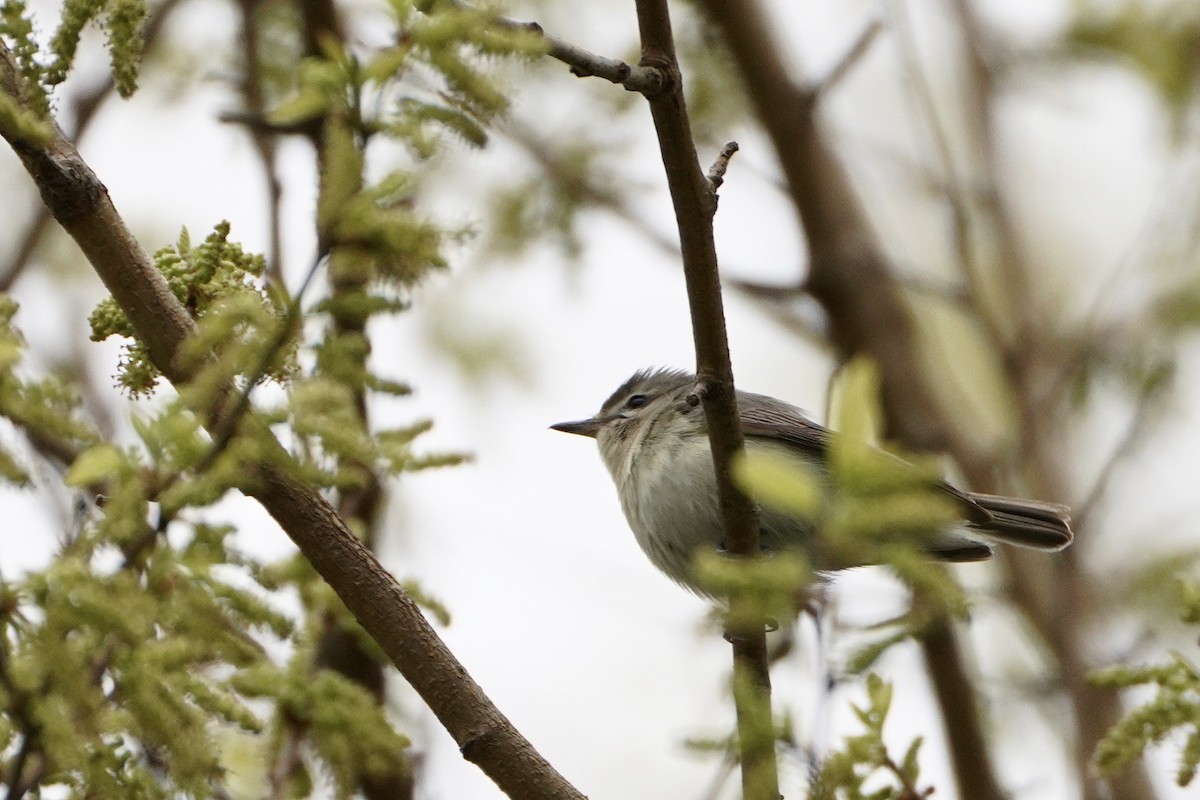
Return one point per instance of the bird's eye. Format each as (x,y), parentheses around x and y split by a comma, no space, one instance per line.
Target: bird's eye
(637,401)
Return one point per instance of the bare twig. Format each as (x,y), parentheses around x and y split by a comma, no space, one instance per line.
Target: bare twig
(848,61)
(264,143)
(1133,438)
(287,762)
(642,78)
(721,777)
(695,203)
(716,173)
(951,683)
(584,64)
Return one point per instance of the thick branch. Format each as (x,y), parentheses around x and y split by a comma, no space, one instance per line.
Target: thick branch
(694,199)
(81,204)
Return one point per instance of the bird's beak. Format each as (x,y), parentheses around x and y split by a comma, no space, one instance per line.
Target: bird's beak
(583,427)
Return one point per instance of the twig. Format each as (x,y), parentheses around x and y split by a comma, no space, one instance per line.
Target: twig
(279,777)
(585,64)
(724,770)
(17,785)
(695,203)
(848,61)
(951,186)
(1134,436)
(643,79)
(849,273)
(716,173)
(951,683)
(264,144)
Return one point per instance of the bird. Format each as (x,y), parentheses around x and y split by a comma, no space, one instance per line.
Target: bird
(653,439)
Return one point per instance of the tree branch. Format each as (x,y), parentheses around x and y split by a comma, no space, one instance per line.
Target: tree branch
(849,60)
(695,202)
(82,206)
(716,173)
(1042,590)
(851,278)
(254,99)
(584,64)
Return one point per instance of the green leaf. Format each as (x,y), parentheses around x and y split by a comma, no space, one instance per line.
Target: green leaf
(307,105)
(11,471)
(94,465)
(856,411)
(780,482)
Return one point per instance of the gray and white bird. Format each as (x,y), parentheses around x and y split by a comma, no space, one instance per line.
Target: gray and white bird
(655,445)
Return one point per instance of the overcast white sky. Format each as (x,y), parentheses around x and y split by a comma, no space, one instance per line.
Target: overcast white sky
(597,658)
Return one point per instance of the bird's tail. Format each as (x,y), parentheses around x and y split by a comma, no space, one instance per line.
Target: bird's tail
(1028,523)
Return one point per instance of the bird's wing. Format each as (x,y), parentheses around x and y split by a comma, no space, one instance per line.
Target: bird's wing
(781,422)
(771,419)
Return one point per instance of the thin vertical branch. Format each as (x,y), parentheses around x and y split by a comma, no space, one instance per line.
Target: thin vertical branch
(850,277)
(694,200)
(253,96)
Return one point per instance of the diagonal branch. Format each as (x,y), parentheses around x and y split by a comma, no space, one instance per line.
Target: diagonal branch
(849,60)
(80,203)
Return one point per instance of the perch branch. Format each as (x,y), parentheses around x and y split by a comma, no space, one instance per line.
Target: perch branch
(695,202)
(851,278)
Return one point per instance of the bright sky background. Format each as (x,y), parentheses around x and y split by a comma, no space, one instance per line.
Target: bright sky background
(596,657)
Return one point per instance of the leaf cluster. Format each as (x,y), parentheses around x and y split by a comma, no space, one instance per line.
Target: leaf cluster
(46,410)
(431,80)
(868,507)
(856,771)
(1175,707)
(340,451)
(219,284)
(108,672)
(121,20)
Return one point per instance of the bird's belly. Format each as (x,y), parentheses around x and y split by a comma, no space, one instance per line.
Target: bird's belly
(674,512)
